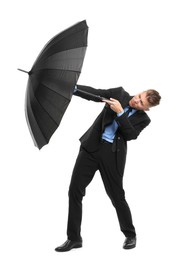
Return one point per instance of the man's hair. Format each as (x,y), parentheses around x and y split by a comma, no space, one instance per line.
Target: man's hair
(153,97)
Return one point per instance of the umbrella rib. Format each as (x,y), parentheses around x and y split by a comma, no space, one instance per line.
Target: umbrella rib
(75,48)
(30,128)
(47,46)
(57,69)
(55,91)
(31,131)
(46,112)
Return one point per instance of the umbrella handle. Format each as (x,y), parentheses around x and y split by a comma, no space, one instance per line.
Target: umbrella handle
(91,95)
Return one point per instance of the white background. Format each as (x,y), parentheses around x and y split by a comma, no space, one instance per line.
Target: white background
(133,44)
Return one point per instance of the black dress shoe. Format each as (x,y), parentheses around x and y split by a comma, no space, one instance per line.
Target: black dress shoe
(129,243)
(68,245)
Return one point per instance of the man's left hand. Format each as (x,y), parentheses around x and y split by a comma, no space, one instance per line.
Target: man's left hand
(115,105)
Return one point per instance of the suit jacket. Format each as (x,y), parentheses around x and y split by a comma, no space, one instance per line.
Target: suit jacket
(129,128)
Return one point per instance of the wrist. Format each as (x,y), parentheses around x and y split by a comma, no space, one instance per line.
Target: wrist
(120,113)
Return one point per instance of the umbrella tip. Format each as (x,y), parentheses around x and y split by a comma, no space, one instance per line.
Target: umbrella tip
(23,71)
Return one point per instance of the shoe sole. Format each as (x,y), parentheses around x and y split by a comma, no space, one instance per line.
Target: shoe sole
(129,247)
(63,250)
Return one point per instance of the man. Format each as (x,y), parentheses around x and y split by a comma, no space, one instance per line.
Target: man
(103,148)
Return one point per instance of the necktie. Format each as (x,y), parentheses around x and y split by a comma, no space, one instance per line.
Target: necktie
(128,111)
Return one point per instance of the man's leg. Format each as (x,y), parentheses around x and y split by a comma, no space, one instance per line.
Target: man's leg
(112,179)
(84,170)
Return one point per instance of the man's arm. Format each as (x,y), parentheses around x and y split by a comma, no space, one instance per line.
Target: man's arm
(129,131)
(106,93)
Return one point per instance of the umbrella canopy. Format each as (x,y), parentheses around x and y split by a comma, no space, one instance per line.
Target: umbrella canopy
(52,80)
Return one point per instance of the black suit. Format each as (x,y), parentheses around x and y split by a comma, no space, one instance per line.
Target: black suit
(109,159)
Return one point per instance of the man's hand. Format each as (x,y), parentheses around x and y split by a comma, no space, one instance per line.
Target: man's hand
(115,105)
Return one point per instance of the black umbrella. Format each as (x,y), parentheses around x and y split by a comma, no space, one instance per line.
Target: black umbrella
(52,80)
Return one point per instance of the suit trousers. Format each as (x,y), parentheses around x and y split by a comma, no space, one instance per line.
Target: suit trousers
(85,167)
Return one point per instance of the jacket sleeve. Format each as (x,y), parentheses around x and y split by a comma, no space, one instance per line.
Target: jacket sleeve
(131,131)
(106,93)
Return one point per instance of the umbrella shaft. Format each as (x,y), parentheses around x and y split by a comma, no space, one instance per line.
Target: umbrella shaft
(90,94)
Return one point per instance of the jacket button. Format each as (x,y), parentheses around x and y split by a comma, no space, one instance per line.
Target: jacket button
(118,138)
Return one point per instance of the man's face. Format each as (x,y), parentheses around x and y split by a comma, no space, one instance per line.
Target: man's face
(140,102)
